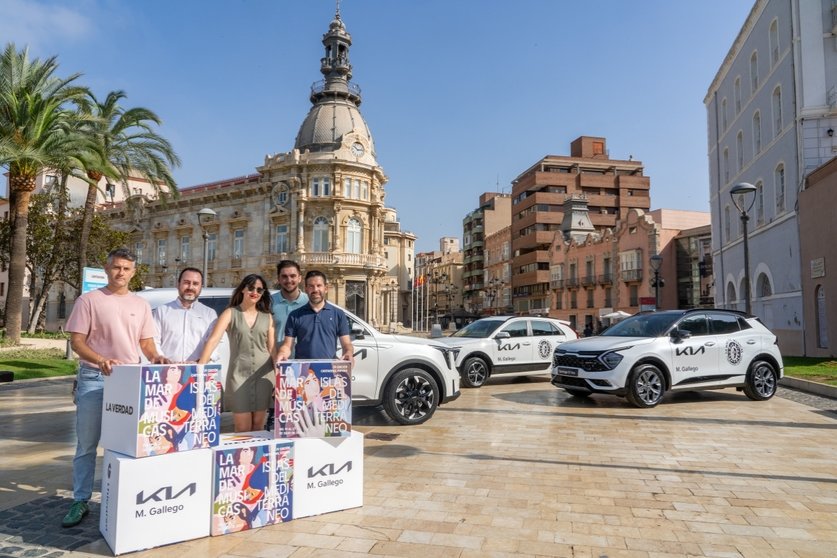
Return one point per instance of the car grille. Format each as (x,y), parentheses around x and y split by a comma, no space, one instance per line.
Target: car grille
(570,381)
(589,363)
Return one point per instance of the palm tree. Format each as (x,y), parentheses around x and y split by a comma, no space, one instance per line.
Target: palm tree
(37,131)
(131,148)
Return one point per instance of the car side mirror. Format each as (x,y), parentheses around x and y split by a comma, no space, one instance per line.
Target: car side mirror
(503,335)
(357,331)
(679,334)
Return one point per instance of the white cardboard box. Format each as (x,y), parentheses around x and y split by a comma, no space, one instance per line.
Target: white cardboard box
(155,501)
(251,482)
(328,474)
(155,409)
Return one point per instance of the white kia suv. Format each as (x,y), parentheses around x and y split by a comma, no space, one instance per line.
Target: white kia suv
(512,345)
(409,376)
(644,356)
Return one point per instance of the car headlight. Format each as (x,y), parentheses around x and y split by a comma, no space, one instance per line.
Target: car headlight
(449,354)
(611,359)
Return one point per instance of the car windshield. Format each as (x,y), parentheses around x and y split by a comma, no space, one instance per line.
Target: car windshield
(480,328)
(652,324)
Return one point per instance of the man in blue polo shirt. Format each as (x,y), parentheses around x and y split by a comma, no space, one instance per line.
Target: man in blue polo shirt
(316,328)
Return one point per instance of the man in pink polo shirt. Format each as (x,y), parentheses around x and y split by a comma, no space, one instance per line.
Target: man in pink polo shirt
(108,326)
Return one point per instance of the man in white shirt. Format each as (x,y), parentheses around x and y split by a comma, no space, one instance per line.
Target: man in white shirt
(184,324)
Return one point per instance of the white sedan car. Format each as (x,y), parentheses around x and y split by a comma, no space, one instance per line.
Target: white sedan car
(506,345)
(644,356)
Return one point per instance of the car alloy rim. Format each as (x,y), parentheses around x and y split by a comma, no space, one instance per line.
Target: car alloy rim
(476,372)
(414,397)
(764,381)
(649,386)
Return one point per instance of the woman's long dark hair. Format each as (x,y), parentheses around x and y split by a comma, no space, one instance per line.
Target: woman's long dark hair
(265,303)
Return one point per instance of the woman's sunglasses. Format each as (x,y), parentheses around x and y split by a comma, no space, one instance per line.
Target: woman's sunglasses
(252,288)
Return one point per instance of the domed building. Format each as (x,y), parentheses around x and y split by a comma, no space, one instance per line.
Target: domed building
(320,204)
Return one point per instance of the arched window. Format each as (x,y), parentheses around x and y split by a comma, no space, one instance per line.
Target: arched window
(759,203)
(730,295)
(320,238)
(724,114)
(756,133)
(754,73)
(736,97)
(726,165)
(779,185)
(774,42)
(739,149)
(763,288)
(726,223)
(353,236)
(777,111)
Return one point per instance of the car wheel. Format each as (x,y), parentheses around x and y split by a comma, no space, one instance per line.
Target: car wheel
(411,396)
(761,382)
(578,392)
(474,372)
(646,386)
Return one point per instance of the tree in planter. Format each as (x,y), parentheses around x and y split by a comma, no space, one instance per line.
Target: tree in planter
(130,147)
(37,131)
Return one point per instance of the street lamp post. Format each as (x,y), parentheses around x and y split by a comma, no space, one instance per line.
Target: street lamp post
(739,194)
(205,215)
(656,262)
(494,289)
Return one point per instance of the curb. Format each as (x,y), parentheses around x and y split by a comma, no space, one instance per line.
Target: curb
(808,386)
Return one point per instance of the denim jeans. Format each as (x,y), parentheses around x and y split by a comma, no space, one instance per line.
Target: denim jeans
(88,397)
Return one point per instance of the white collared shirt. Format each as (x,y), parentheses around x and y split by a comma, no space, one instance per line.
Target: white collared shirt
(183,331)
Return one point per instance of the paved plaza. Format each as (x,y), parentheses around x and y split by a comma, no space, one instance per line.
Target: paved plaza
(516,468)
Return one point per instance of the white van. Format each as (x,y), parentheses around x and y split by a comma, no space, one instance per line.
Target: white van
(408,376)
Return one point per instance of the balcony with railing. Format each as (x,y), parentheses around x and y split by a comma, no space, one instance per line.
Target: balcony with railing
(556,284)
(588,280)
(572,283)
(606,279)
(630,275)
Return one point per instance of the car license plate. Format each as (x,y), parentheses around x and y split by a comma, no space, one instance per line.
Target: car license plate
(567,371)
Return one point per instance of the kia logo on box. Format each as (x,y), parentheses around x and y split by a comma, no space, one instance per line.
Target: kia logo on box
(329,469)
(166,493)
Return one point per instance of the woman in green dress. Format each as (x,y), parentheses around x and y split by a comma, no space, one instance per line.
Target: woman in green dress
(248,321)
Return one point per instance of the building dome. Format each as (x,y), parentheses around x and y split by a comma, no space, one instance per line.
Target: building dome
(335,100)
(326,124)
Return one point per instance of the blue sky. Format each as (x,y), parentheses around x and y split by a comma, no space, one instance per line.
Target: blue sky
(461,96)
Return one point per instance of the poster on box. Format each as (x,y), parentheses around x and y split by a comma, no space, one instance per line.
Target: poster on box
(179,408)
(160,409)
(313,399)
(252,485)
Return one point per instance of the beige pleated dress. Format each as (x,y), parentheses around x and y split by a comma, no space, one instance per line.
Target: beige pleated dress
(251,378)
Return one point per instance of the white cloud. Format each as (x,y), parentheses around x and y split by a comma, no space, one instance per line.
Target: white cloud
(36,23)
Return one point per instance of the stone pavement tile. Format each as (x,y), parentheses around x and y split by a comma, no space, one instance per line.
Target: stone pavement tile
(258,550)
(410,550)
(657,545)
(539,548)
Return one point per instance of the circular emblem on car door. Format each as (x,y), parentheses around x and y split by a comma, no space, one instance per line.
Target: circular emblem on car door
(544,349)
(734,352)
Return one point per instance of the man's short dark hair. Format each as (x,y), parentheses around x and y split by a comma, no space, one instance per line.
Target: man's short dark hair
(193,269)
(315,273)
(287,263)
(122,253)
